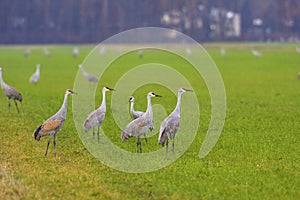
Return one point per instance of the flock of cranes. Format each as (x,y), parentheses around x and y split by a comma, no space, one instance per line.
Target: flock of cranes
(142,121)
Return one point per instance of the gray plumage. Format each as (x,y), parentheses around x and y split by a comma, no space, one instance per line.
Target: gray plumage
(96,117)
(47,52)
(140,125)
(89,77)
(26,53)
(36,76)
(223,52)
(52,125)
(170,125)
(75,52)
(10,92)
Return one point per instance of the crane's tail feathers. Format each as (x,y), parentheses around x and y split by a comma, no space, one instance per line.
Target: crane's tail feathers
(37,136)
(125,135)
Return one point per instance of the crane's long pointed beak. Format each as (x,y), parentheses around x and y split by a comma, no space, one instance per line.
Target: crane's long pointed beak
(157,95)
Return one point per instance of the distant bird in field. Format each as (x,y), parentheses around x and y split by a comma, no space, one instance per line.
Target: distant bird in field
(299,75)
(36,76)
(223,52)
(75,52)
(298,49)
(26,52)
(103,50)
(256,53)
(52,125)
(10,92)
(89,77)
(170,125)
(47,52)
(140,53)
(136,114)
(140,125)
(189,51)
(96,117)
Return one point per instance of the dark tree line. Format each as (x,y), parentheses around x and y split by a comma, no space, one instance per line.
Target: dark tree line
(68,21)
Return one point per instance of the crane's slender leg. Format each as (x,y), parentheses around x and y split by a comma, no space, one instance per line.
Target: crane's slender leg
(173,145)
(98,135)
(93,132)
(17,106)
(139,144)
(54,144)
(167,144)
(8,105)
(145,137)
(48,145)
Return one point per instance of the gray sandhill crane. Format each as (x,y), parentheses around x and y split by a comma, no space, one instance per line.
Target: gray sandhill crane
(223,52)
(36,76)
(256,53)
(26,52)
(141,125)
(47,52)
(140,53)
(75,52)
(89,77)
(189,51)
(96,117)
(10,92)
(170,125)
(136,114)
(52,125)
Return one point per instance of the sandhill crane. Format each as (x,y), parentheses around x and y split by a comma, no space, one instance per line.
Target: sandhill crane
(10,92)
(96,117)
(26,52)
(102,50)
(89,77)
(223,52)
(47,52)
(298,49)
(52,125)
(170,125)
(140,54)
(136,114)
(256,53)
(75,52)
(140,126)
(36,76)
(189,51)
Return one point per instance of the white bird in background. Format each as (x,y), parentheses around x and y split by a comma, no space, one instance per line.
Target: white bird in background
(52,125)
(47,52)
(140,54)
(140,125)
(189,51)
(89,77)
(170,125)
(256,53)
(103,51)
(10,92)
(96,117)
(26,52)
(298,49)
(75,52)
(223,52)
(36,76)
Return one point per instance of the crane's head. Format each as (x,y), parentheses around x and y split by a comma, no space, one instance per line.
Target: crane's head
(68,91)
(152,94)
(131,99)
(105,89)
(182,90)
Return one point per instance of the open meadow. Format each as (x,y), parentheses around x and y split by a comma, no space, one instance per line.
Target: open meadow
(256,157)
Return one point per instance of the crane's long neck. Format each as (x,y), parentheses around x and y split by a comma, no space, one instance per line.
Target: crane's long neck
(103,104)
(1,80)
(131,106)
(149,107)
(177,108)
(38,70)
(63,109)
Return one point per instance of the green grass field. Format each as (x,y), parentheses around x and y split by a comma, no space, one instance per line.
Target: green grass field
(256,157)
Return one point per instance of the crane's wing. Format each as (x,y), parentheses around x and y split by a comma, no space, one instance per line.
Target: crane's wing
(168,128)
(95,118)
(49,127)
(136,127)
